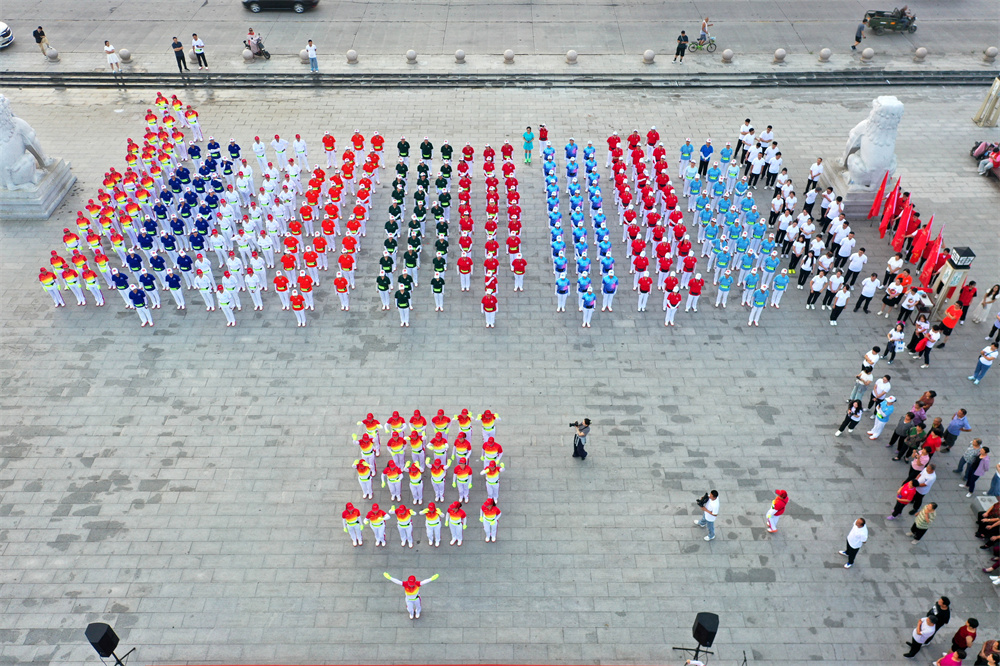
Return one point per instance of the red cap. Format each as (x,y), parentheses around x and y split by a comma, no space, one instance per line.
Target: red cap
(411,580)
(440,412)
(350,506)
(431,506)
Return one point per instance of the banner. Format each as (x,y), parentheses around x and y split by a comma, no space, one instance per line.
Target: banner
(904,221)
(928,273)
(920,241)
(877,204)
(890,206)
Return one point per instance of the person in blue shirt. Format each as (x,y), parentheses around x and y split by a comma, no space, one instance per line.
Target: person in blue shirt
(580,248)
(159,266)
(687,150)
(740,191)
(609,286)
(552,202)
(186,266)
(589,151)
(770,264)
(560,264)
(706,151)
(173,282)
(588,301)
(747,264)
(583,264)
(717,190)
(214,149)
(589,165)
(601,230)
(571,149)
(726,155)
(582,285)
(194,152)
(780,285)
(562,292)
(725,284)
(714,174)
(596,202)
(758,303)
(234,150)
(709,236)
(725,204)
(572,169)
(750,286)
(722,263)
(138,300)
(579,232)
(556,232)
(605,247)
(120,283)
(607,264)
(694,190)
(148,284)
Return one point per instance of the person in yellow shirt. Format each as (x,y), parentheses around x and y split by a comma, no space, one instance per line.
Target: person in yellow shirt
(433,516)
(411,588)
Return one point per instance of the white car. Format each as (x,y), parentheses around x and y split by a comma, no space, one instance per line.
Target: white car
(6,35)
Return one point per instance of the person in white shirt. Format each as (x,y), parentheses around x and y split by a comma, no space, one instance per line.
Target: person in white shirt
(773,168)
(880,390)
(767,135)
(810,200)
(869,286)
(932,336)
(925,480)
(892,268)
(825,262)
(710,511)
(923,632)
(846,249)
(198,47)
(839,303)
(984,363)
(855,539)
(756,168)
(311,53)
(744,131)
(260,150)
(791,201)
(816,286)
(301,151)
(855,264)
(815,171)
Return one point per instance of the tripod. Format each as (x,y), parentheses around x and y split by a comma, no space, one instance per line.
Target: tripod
(696,651)
(120,661)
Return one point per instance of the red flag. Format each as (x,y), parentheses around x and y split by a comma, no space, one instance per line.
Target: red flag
(890,206)
(928,273)
(877,204)
(920,241)
(904,221)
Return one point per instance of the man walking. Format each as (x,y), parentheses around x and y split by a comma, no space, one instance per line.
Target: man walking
(41,39)
(580,439)
(682,44)
(311,52)
(855,539)
(710,511)
(986,357)
(198,47)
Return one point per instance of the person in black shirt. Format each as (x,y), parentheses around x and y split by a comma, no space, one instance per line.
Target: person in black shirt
(42,40)
(403,303)
(404,150)
(437,286)
(580,438)
(682,44)
(446,151)
(426,150)
(179,55)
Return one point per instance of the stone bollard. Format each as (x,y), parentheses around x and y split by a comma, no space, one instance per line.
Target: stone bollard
(571,57)
(990,54)
(919,54)
(649,56)
(352,57)
(824,55)
(52,54)
(460,57)
(508,56)
(727,56)
(304,57)
(779,56)
(124,55)
(247,55)
(867,54)
(411,57)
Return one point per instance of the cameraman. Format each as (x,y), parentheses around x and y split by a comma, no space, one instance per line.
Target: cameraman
(580,438)
(710,513)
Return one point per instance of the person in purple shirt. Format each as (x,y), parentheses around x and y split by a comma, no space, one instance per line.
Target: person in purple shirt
(959,424)
(976,469)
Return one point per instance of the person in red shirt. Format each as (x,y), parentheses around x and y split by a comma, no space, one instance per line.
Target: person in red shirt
(513,248)
(330,148)
(464,266)
(489,308)
(543,136)
(346,262)
(281,287)
(519,265)
(672,303)
(341,284)
(695,287)
(645,285)
(298,303)
(311,260)
(288,261)
(688,264)
(306,287)
(319,247)
(468,153)
(965,297)
(639,266)
(652,138)
(664,264)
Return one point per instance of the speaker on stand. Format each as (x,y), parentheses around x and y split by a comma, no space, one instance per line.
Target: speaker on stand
(104,640)
(706,625)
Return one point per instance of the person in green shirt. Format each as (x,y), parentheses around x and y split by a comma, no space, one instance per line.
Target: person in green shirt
(445,200)
(402,169)
(426,149)
(406,280)
(386,262)
(392,227)
(396,209)
(403,304)
(440,183)
(437,286)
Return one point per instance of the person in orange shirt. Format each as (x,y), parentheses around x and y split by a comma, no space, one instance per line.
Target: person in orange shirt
(298,303)
(411,587)
(392,475)
(319,247)
(433,516)
(489,516)
(439,474)
(951,318)
(456,520)
(51,286)
(352,523)
(489,422)
(365,475)
(376,520)
(415,475)
(91,281)
(72,280)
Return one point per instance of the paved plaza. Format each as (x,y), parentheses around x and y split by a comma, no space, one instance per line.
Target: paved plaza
(184,484)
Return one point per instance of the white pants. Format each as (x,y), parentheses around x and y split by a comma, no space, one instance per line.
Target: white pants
(178,295)
(417,492)
(606,300)
(379,531)
(772,520)
(355,532)
(776,296)
(464,280)
(144,315)
(434,534)
(456,532)
(300,316)
(588,314)
(344,299)
(413,607)
(99,297)
(439,299)
(366,487)
(877,429)
(438,490)
(561,301)
(670,315)
(493,489)
(255,297)
(404,315)
(518,282)
(721,298)
(490,529)
(755,314)
(207,295)
(286,300)
(643,298)
(463,491)
(406,535)
(491,318)
(78,292)
(692,302)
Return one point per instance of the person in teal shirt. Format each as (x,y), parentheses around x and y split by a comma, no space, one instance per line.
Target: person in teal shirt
(725,285)
(718,190)
(780,285)
(770,264)
(687,150)
(722,263)
(562,292)
(529,144)
(588,300)
(609,286)
(759,302)
(714,174)
(726,155)
(749,287)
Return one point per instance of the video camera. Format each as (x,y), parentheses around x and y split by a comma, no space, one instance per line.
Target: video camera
(702,501)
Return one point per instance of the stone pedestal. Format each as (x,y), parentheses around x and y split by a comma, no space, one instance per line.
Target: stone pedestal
(38,202)
(857,200)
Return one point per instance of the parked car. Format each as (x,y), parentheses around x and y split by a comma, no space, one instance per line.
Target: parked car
(6,35)
(298,6)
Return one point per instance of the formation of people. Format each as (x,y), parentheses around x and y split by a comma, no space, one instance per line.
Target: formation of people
(429,455)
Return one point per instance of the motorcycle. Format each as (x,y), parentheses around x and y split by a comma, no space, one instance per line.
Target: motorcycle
(256,46)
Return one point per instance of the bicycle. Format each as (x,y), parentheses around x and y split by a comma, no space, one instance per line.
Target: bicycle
(709,45)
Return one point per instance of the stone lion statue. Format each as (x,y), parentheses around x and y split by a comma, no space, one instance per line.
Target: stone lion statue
(22,160)
(871,145)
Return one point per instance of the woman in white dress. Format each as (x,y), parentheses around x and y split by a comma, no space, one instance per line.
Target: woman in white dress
(113,59)
(981,312)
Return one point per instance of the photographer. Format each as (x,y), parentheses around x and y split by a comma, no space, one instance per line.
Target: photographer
(580,438)
(709,504)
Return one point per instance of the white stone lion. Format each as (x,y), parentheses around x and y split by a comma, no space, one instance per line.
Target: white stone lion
(871,145)
(22,160)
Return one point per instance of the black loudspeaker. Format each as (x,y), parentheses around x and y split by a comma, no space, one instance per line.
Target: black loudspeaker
(705,627)
(105,640)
